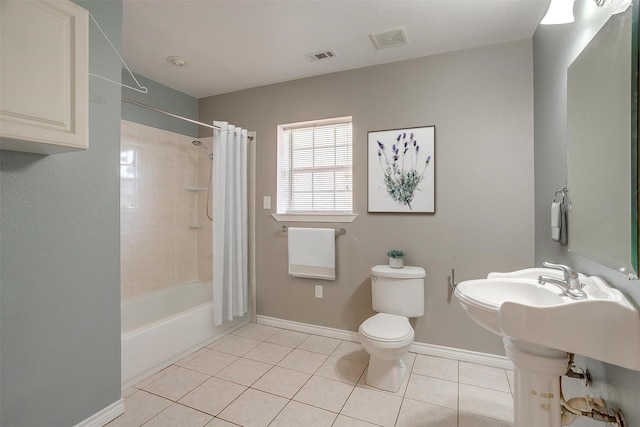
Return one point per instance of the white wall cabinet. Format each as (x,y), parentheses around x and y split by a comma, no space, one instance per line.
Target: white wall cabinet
(44,76)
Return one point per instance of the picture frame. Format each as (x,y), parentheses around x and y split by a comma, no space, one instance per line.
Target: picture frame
(401,170)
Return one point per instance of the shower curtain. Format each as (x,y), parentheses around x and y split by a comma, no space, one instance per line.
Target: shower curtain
(230,223)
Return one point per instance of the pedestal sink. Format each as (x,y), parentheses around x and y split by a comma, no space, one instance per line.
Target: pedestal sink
(540,325)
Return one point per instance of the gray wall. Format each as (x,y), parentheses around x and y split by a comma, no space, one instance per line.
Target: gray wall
(554,48)
(161,97)
(481,102)
(60,263)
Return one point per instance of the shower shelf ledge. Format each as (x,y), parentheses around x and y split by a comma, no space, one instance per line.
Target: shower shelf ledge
(196,188)
(196,226)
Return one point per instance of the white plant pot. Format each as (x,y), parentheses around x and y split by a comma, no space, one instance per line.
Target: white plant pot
(396,262)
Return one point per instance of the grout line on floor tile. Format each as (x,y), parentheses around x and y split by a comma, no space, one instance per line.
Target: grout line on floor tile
(360,379)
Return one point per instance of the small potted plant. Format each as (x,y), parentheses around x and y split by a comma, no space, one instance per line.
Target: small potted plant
(396,258)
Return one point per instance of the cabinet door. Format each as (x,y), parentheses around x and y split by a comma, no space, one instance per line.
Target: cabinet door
(43,76)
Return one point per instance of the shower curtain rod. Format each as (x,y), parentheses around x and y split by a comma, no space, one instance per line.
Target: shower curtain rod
(157,110)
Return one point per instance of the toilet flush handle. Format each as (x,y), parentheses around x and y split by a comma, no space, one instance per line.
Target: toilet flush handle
(374,278)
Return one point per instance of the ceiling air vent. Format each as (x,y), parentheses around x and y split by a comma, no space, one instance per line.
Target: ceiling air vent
(319,56)
(391,38)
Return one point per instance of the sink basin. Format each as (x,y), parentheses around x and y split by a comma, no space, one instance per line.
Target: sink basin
(605,326)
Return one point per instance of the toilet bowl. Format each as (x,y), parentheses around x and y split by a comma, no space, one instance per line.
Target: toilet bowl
(387,338)
(388,335)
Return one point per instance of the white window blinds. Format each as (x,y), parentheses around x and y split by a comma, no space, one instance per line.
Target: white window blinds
(314,164)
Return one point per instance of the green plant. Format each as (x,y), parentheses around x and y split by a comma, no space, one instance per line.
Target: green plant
(395,253)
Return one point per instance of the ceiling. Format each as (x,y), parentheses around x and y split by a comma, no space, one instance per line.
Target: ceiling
(231,45)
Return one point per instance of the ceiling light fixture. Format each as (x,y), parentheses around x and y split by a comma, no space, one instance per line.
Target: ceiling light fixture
(559,12)
(177,61)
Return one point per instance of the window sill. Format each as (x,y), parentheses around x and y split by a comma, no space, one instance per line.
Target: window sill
(314,217)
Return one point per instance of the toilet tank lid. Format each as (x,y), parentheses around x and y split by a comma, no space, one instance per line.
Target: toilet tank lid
(407,272)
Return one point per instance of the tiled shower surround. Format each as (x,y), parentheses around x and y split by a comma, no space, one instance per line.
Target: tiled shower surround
(161,209)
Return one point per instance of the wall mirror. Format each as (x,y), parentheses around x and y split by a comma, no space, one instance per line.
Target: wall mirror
(602,120)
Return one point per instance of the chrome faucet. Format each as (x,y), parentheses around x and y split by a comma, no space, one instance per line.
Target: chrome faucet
(570,286)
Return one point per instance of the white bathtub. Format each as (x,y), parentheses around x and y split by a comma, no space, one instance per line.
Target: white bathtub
(165,326)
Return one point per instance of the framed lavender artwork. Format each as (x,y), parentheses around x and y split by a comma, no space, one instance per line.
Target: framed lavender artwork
(402,170)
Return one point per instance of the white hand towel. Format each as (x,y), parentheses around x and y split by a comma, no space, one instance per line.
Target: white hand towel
(556,220)
(312,253)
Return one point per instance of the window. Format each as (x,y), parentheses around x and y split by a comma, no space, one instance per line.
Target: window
(314,167)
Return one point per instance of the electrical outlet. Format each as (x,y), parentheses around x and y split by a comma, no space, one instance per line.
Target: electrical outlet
(318,291)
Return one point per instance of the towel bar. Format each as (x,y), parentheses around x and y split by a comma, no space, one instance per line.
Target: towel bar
(339,232)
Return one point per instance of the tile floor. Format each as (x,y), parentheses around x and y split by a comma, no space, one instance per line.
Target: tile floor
(264,376)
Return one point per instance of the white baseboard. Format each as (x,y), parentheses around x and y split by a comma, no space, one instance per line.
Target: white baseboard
(461,355)
(308,328)
(105,416)
(421,348)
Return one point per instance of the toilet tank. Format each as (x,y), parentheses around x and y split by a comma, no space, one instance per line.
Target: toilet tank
(398,291)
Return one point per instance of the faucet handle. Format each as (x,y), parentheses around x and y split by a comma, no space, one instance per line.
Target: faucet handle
(568,273)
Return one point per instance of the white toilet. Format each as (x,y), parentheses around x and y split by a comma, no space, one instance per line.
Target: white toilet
(396,294)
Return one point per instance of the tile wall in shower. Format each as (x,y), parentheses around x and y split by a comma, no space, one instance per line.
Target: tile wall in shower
(159,246)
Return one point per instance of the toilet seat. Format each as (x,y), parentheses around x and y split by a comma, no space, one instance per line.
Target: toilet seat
(384,327)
